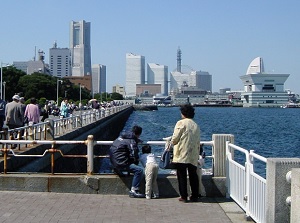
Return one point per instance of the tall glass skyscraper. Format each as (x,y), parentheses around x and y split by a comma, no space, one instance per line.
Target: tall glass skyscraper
(135,73)
(80,47)
(99,78)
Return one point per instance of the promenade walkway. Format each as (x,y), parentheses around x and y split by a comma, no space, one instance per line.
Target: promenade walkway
(27,207)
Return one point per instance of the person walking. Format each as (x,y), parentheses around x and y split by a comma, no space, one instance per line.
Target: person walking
(64,108)
(32,112)
(2,113)
(14,113)
(151,171)
(124,155)
(186,141)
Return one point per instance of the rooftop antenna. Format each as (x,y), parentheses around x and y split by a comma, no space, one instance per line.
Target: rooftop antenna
(178,60)
(34,53)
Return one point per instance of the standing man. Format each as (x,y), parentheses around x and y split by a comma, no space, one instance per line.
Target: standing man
(2,113)
(14,113)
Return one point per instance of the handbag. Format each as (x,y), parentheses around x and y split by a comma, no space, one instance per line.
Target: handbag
(26,120)
(165,161)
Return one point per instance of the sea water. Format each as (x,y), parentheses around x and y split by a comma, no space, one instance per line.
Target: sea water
(270,132)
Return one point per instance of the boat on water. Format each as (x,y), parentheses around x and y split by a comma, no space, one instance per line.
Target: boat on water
(290,105)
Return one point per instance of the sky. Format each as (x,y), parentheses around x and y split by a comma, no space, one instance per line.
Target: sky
(221,37)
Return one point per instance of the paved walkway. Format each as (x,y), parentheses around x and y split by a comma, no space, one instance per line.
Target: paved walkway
(25,207)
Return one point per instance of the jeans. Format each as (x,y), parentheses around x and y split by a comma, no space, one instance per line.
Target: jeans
(137,175)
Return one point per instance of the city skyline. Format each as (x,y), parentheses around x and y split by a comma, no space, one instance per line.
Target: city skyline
(219,37)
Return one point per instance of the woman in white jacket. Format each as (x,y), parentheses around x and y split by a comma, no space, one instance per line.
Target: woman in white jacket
(186,141)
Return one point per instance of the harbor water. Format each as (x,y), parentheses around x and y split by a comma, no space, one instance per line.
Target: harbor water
(270,132)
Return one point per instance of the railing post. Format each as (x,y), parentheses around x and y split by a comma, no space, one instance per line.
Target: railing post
(50,129)
(228,153)
(90,154)
(249,169)
(278,189)
(219,153)
(5,152)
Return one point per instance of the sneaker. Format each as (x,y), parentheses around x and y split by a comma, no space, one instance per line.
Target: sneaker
(148,197)
(136,194)
(155,196)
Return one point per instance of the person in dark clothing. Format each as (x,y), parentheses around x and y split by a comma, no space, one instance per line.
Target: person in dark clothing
(124,154)
(2,113)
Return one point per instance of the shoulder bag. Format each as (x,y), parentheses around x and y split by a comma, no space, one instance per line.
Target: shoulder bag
(165,161)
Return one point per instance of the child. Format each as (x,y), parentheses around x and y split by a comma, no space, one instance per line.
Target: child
(151,171)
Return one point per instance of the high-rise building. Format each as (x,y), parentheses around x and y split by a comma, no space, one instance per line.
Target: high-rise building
(60,61)
(99,78)
(158,74)
(135,73)
(201,79)
(80,46)
(180,79)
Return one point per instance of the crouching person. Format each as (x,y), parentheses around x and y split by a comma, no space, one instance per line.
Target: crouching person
(151,171)
(124,156)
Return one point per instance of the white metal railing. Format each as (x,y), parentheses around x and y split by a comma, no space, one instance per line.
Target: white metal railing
(64,125)
(245,187)
(60,126)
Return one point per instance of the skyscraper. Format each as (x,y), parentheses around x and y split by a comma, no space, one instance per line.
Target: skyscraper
(135,73)
(99,78)
(80,46)
(158,74)
(60,61)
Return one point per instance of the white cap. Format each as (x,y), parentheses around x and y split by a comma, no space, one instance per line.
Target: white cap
(16,97)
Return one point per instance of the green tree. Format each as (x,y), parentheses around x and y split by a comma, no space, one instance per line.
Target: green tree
(38,85)
(11,76)
(116,96)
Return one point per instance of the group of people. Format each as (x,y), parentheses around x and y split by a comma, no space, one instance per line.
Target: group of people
(16,113)
(186,149)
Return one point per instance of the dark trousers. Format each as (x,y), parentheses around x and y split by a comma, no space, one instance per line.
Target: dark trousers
(182,169)
(2,117)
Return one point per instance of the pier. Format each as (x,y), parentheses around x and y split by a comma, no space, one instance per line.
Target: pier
(232,189)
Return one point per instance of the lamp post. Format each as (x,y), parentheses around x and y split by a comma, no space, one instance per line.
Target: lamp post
(1,82)
(4,90)
(57,90)
(80,97)
(80,105)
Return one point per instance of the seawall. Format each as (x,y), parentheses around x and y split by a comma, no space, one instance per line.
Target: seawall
(24,174)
